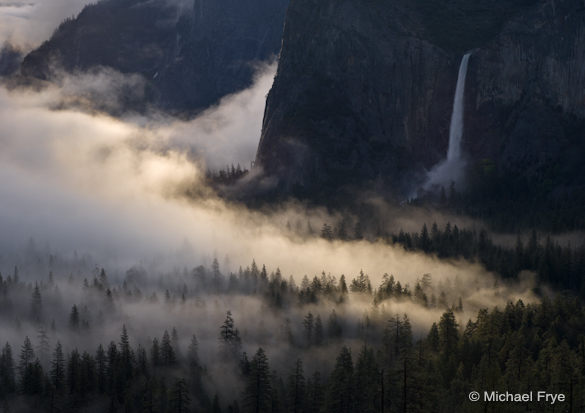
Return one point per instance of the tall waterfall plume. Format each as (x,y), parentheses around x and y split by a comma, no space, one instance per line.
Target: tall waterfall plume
(449,170)
(456,127)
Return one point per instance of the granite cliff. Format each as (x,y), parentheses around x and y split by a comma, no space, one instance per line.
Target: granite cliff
(191,53)
(364,91)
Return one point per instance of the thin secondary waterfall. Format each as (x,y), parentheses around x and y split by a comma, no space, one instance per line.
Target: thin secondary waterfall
(456,127)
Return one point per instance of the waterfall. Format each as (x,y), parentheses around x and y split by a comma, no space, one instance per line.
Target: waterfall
(450,169)
(456,127)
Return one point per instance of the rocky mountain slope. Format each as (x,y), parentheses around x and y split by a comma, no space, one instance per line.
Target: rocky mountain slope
(191,53)
(364,93)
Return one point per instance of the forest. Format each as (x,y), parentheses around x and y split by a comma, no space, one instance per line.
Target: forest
(557,264)
(327,345)
(291,206)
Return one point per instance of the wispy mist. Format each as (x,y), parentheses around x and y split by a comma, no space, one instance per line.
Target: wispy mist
(87,182)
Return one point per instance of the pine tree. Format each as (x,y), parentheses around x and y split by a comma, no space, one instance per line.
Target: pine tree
(309,324)
(361,284)
(180,399)
(195,369)
(161,400)
(74,318)
(7,376)
(101,369)
(367,380)
(74,372)
(315,394)
(343,286)
(227,330)
(448,340)
(334,329)
(27,356)
(296,388)
(155,356)
(32,378)
(245,366)
(433,338)
(57,372)
(448,332)
(168,355)
(141,362)
(193,352)
(175,343)
(36,304)
(87,382)
(340,394)
(318,336)
(126,355)
(217,278)
(229,337)
(425,240)
(258,392)
(112,367)
(148,403)
(44,346)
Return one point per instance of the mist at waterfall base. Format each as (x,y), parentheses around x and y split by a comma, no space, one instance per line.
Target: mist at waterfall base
(450,171)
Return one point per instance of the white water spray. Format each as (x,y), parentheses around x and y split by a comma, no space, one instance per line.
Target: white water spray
(450,169)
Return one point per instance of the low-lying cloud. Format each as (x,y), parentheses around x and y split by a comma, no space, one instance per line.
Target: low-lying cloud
(115,188)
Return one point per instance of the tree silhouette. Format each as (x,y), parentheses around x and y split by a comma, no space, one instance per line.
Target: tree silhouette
(257,394)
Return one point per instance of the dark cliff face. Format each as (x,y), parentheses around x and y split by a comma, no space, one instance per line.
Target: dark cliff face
(526,97)
(364,90)
(355,95)
(191,53)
